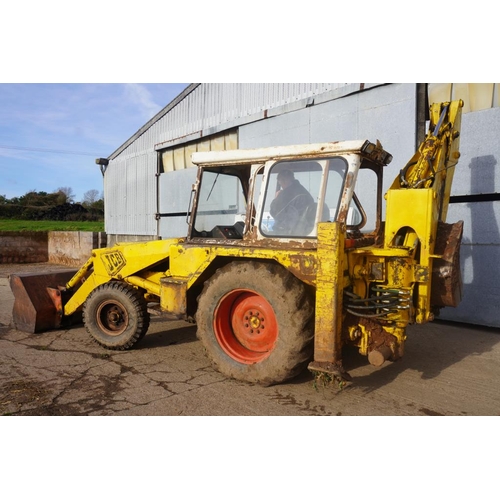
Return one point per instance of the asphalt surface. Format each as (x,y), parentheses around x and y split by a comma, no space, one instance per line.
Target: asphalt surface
(448,369)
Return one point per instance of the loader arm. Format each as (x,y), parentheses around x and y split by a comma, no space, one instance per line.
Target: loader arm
(127,262)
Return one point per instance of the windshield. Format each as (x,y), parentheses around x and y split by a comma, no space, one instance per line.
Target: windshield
(301,193)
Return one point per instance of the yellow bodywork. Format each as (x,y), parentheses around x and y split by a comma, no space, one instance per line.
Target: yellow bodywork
(134,263)
(121,262)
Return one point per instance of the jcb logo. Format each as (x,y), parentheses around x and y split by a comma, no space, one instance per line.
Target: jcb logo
(113,262)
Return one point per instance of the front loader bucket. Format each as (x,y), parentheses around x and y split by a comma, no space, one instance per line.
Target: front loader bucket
(37,300)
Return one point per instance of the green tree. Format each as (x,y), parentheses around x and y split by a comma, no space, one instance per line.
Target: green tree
(39,199)
(66,195)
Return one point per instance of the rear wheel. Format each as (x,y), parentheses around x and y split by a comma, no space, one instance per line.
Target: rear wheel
(116,316)
(255,321)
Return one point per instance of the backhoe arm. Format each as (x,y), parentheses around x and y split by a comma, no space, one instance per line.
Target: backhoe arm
(433,165)
(417,205)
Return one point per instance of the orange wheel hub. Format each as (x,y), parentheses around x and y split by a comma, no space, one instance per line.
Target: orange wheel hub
(245,326)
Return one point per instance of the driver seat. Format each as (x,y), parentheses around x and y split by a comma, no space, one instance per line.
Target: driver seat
(307,220)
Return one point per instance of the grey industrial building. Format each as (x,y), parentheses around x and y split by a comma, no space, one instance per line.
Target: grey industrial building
(147,182)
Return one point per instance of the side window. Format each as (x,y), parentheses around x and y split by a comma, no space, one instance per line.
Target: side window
(366,193)
(221,202)
(335,184)
(256,192)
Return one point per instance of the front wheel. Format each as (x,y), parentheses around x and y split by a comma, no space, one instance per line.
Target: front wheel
(116,315)
(255,321)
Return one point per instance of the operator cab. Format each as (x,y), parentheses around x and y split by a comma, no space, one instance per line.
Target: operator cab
(278,193)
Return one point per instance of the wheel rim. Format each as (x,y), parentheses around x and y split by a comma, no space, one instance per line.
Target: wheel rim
(112,317)
(245,326)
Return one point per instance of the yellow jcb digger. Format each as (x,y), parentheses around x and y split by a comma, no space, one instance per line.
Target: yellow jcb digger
(287,259)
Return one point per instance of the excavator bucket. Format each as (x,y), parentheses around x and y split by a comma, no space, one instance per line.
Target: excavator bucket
(446,275)
(38,301)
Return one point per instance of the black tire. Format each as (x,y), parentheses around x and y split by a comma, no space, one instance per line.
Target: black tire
(234,308)
(116,316)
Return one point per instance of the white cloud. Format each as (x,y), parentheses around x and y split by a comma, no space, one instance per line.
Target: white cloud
(141,97)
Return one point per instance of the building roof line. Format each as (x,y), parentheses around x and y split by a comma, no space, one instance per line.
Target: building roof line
(155,118)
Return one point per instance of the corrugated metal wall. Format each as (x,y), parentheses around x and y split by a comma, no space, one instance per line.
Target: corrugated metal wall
(130,194)
(212,107)
(212,104)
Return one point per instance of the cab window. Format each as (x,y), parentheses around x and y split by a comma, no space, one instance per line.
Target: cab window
(221,203)
(293,192)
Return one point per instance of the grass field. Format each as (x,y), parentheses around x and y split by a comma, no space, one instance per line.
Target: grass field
(47,225)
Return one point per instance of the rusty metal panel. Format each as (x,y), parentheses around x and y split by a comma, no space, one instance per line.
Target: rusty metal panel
(446,276)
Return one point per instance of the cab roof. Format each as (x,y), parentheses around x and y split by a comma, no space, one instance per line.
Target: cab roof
(367,149)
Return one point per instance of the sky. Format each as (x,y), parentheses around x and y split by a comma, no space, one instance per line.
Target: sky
(51,134)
